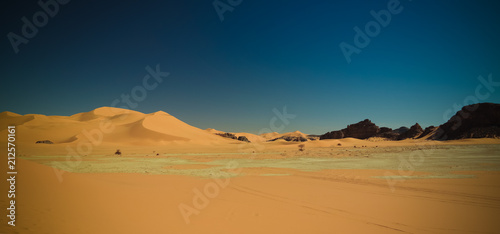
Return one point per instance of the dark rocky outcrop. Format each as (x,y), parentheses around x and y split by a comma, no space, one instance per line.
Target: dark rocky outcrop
(44,142)
(332,135)
(313,137)
(401,130)
(232,136)
(414,132)
(228,135)
(472,121)
(427,131)
(388,135)
(366,129)
(291,138)
(243,138)
(384,130)
(361,130)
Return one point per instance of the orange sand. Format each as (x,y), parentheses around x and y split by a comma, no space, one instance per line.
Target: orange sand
(330,201)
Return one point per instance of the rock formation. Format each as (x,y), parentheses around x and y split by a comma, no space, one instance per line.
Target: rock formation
(427,131)
(361,130)
(291,138)
(401,130)
(232,136)
(366,129)
(227,135)
(472,121)
(243,138)
(414,132)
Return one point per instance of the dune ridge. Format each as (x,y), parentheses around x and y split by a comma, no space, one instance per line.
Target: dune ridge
(127,126)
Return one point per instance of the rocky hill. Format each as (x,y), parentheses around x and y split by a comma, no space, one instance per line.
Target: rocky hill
(366,129)
(414,132)
(362,130)
(473,121)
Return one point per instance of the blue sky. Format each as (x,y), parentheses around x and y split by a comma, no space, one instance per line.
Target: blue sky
(230,74)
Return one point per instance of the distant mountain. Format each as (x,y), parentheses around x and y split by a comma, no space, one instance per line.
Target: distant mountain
(401,130)
(414,132)
(121,126)
(366,129)
(361,130)
(473,121)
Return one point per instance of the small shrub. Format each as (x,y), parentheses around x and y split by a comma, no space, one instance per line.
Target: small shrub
(302,147)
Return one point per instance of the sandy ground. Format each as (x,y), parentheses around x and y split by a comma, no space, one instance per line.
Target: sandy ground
(454,189)
(176,178)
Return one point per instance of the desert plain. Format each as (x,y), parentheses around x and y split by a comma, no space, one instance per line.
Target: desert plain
(174,178)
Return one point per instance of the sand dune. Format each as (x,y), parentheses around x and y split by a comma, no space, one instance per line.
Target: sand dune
(132,131)
(334,186)
(251,137)
(130,127)
(270,135)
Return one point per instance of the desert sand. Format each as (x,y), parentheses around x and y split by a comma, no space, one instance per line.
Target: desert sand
(176,178)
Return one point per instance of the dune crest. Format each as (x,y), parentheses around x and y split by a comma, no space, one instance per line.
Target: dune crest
(128,127)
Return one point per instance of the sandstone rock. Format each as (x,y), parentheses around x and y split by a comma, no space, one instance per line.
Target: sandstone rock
(401,130)
(472,121)
(243,138)
(414,131)
(384,130)
(361,130)
(227,135)
(291,138)
(332,135)
(427,131)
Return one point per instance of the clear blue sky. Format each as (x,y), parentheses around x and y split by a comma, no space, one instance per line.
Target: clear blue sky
(229,75)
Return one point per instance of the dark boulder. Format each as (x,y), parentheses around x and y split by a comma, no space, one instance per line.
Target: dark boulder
(243,138)
(44,142)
